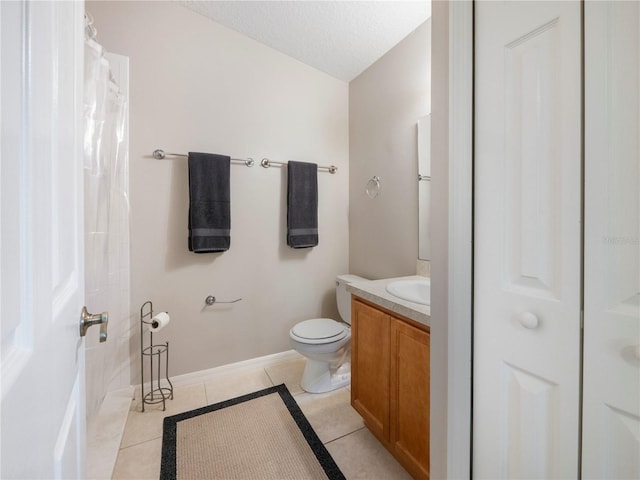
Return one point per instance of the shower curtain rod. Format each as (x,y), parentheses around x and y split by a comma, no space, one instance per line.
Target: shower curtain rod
(160,154)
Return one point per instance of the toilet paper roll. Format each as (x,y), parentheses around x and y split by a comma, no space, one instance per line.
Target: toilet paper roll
(159,322)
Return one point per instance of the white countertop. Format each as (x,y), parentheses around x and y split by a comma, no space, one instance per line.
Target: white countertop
(375,292)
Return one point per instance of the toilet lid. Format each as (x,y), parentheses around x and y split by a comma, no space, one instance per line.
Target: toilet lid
(322,329)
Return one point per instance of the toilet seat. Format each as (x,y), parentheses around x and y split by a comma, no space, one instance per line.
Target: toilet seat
(318,331)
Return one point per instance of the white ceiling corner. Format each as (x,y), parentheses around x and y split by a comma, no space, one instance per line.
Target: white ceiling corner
(340,38)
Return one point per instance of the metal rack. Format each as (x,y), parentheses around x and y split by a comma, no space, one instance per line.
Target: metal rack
(158,393)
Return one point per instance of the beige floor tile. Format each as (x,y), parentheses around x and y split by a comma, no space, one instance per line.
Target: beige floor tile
(289,373)
(147,425)
(360,456)
(233,385)
(330,414)
(139,462)
(356,451)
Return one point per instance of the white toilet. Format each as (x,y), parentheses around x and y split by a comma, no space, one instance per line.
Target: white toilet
(327,344)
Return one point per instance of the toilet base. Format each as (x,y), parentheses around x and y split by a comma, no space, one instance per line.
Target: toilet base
(318,377)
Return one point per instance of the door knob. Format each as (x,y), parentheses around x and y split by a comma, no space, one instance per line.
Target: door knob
(529,320)
(88,319)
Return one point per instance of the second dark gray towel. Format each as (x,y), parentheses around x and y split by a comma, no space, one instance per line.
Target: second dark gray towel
(209,203)
(302,204)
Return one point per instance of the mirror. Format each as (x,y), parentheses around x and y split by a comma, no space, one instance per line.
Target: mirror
(424,187)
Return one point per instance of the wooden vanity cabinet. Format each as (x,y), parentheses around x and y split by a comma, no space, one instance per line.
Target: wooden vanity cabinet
(409,396)
(390,382)
(370,366)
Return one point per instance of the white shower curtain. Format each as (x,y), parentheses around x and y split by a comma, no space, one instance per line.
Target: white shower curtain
(106,225)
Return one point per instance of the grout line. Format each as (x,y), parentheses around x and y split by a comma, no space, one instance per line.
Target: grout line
(269,377)
(345,435)
(206,397)
(140,443)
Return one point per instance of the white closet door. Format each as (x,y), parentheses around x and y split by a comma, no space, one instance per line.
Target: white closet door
(527,239)
(611,415)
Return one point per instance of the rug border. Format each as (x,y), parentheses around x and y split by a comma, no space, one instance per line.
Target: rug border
(168,468)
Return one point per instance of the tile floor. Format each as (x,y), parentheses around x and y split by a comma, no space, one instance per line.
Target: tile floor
(358,454)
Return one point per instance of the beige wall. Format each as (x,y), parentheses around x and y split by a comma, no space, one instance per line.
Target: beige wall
(197,86)
(385,103)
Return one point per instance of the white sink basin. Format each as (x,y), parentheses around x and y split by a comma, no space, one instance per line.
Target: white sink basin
(413,290)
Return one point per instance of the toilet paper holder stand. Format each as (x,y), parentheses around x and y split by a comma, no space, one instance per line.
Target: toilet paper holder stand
(160,389)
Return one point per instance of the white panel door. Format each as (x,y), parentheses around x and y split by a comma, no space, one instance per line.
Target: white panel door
(41,249)
(527,245)
(611,405)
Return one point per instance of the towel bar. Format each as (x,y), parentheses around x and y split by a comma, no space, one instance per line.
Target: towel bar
(266,163)
(160,154)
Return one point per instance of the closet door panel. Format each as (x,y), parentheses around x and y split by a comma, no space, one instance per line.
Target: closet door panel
(527,239)
(611,405)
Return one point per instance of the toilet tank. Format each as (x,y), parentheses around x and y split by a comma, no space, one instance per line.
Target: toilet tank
(343,298)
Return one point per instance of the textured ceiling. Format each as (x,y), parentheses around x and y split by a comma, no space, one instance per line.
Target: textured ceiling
(341,38)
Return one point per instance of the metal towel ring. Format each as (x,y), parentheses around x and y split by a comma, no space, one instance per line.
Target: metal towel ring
(373,187)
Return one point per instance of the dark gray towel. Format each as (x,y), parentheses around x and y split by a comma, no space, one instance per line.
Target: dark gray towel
(209,203)
(302,204)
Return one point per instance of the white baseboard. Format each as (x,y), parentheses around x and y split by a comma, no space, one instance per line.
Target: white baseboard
(193,378)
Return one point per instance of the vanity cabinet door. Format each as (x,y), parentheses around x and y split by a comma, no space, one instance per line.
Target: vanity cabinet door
(409,399)
(370,367)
